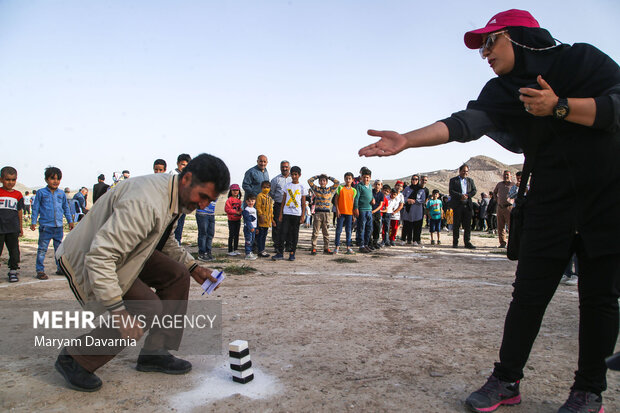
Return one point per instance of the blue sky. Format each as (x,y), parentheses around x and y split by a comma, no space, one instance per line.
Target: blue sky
(101,86)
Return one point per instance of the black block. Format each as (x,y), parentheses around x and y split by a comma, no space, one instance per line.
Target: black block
(239,354)
(244,367)
(243,381)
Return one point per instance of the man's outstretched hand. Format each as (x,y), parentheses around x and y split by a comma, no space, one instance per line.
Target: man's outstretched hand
(390,143)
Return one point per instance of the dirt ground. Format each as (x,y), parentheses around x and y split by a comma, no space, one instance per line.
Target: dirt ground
(403,329)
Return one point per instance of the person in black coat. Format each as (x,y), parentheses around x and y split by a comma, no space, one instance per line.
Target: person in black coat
(559,104)
(462,189)
(99,188)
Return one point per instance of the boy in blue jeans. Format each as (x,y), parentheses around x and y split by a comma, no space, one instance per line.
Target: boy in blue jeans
(205,220)
(48,207)
(249,226)
(435,209)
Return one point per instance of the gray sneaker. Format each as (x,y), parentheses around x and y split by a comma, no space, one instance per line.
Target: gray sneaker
(582,402)
(494,394)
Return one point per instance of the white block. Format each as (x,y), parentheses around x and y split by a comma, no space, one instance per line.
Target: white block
(239,362)
(238,345)
(243,374)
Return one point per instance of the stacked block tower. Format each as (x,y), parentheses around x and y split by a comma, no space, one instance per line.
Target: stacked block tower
(240,363)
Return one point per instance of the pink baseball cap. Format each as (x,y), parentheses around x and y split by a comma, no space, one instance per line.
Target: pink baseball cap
(512,17)
(235,186)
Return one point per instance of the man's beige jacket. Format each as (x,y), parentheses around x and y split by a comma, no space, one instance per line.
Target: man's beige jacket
(104,254)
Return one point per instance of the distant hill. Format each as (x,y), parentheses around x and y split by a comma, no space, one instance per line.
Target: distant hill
(486,173)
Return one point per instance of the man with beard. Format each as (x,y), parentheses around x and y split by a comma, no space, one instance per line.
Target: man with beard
(125,248)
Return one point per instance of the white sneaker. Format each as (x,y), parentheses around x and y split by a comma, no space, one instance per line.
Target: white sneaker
(231,253)
(235,253)
(572,280)
(250,256)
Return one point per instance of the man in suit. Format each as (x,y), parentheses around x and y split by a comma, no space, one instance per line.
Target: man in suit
(99,188)
(462,190)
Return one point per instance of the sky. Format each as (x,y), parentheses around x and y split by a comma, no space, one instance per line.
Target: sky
(100,86)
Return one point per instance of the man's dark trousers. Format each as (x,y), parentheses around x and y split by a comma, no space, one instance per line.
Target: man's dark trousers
(170,279)
(462,215)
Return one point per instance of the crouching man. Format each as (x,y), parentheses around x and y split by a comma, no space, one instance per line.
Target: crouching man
(121,251)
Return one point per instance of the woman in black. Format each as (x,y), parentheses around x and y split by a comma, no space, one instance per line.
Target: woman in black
(560,105)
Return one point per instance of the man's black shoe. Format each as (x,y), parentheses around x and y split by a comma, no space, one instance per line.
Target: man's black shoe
(455,245)
(162,361)
(470,246)
(77,377)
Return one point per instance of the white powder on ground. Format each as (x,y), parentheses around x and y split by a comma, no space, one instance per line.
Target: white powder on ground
(218,384)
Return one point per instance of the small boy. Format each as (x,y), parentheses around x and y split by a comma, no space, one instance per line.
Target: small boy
(205,220)
(11,210)
(159,166)
(385,216)
(264,210)
(48,207)
(322,205)
(377,193)
(362,207)
(27,203)
(435,209)
(344,198)
(394,207)
(292,214)
(249,225)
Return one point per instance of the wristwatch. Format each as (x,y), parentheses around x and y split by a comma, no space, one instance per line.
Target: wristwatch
(561,110)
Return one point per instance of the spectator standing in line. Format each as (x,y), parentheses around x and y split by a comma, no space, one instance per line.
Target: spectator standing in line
(504,206)
(410,194)
(276,193)
(322,205)
(255,176)
(484,205)
(264,212)
(462,191)
(99,188)
(27,203)
(159,166)
(48,208)
(182,161)
(11,219)
(205,220)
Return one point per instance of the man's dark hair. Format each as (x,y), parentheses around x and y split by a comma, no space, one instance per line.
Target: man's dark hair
(52,171)
(101,177)
(505,171)
(265,184)
(386,187)
(8,170)
(463,167)
(435,191)
(208,168)
(83,188)
(296,169)
(365,171)
(126,171)
(34,192)
(323,176)
(184,157)
(160,162)
(348,174)
(519,173)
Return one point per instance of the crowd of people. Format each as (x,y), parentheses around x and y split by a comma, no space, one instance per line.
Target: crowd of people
(380,216)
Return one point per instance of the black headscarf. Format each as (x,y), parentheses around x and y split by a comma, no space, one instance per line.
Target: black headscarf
(577,71)
(413,195)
